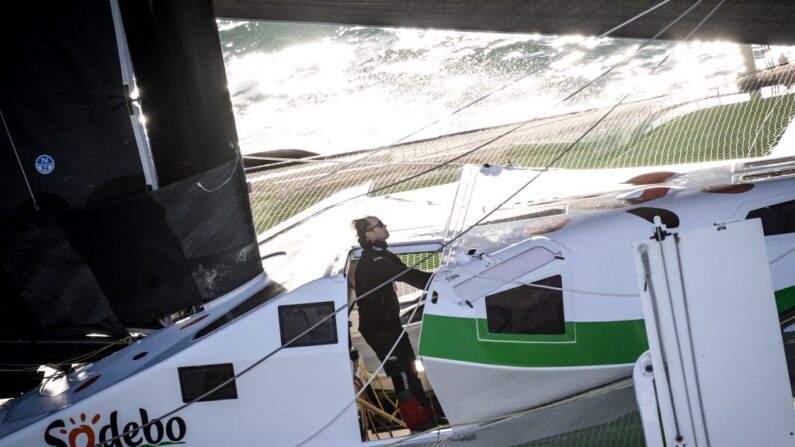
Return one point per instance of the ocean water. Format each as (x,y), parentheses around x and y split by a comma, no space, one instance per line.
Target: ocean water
(330,89)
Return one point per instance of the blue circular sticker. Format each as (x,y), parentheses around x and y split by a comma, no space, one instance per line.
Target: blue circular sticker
(45,164)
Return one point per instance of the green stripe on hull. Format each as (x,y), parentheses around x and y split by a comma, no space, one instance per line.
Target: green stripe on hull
(785,300)
(597,343)
(601,343)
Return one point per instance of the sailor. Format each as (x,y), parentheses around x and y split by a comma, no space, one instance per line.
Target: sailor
(379,317)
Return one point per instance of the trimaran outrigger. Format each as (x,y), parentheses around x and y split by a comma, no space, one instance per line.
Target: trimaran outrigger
(534,300)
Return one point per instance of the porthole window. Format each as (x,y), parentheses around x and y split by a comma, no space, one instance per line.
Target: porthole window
(297,318)
(527,309)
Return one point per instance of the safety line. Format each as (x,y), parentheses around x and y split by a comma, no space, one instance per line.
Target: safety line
(21,169)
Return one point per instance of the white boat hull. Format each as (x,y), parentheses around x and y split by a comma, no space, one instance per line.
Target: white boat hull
(505,390)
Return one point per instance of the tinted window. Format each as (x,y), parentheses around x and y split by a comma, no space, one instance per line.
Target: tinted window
(197,380)
(776,219)
(297,318)
(527,309)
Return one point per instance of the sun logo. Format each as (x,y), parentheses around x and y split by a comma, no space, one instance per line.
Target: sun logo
(81,431)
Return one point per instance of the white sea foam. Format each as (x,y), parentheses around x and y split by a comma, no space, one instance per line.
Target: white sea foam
(332,89)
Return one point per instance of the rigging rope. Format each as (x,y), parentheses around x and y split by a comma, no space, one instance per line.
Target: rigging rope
(503,134)
(347,162)
(232,174)
(29,367)
(526,75)
(529,125)
(21,169)
(391,146)
(665,129)
(782,256)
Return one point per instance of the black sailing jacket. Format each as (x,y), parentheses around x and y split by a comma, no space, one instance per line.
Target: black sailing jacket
(380,309)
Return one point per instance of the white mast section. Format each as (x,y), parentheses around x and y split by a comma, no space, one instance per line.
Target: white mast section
(715,347)
(136,117)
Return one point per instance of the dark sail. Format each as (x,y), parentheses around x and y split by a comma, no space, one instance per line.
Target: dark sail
(90,246)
